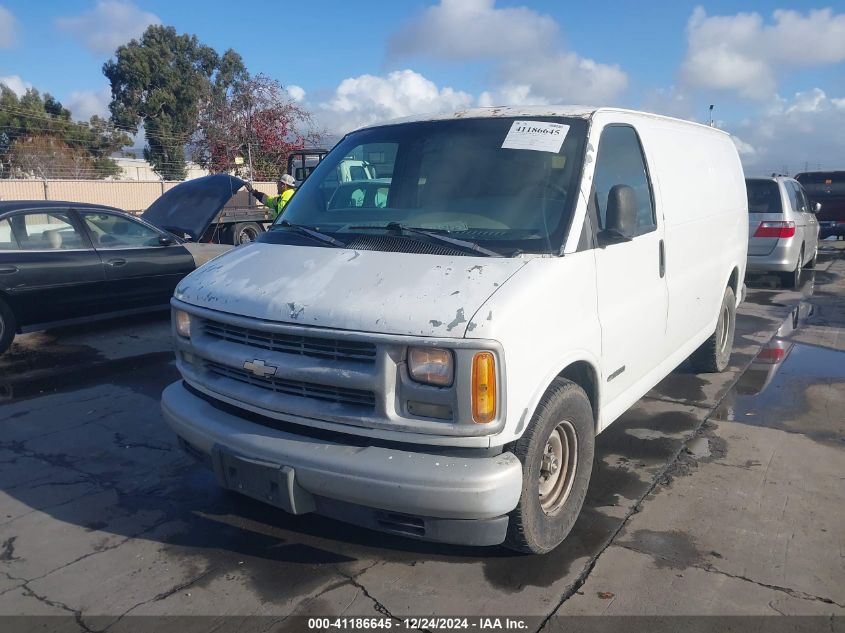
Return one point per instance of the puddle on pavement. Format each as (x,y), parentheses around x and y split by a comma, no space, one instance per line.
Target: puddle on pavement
(791,386)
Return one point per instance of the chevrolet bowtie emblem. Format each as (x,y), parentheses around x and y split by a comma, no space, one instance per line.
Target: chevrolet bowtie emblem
(260,369)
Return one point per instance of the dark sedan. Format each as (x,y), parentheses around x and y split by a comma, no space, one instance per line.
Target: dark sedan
(66,262)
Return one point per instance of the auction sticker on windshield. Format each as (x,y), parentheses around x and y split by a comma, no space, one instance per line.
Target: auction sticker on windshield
(539,136)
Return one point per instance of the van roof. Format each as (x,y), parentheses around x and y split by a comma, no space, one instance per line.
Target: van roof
(572,111)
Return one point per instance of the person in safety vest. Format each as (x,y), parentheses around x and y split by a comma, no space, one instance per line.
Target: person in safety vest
(286,186)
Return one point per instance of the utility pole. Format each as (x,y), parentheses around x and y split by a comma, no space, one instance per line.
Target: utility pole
(711,114)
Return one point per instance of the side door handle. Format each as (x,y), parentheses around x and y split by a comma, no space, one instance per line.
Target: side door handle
(662,254)
(116,262)
(8,269)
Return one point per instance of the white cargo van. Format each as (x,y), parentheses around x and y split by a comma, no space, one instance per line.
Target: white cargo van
(438,365)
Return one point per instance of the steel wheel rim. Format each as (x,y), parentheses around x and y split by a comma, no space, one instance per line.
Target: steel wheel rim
(723,335)
(557,467)
(246,236)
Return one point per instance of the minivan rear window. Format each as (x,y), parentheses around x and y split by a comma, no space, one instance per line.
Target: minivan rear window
(763,196)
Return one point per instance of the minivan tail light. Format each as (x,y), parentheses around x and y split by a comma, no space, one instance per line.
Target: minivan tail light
(775,229)
(483,388)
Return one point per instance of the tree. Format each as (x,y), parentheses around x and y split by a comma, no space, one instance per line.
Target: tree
(49,157)
(159,81)
(255,120)
(32,116)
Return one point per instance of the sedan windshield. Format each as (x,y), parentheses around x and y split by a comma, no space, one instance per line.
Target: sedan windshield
(507,185)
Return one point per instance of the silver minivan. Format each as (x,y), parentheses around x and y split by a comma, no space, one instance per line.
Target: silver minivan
(783,232)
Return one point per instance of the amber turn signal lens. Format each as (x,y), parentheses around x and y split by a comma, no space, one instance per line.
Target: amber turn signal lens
(483,388)
(183,323)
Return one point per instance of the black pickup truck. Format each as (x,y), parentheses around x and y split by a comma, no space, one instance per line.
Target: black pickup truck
(828,189)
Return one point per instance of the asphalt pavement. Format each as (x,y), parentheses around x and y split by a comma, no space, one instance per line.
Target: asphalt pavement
(715,494)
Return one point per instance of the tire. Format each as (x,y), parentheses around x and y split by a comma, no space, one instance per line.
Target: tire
(539,525)
(715,353)
(792,280)
(245,232)
(811,265)
(8,326)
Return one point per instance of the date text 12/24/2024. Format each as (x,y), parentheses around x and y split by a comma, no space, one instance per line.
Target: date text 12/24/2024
(418,623)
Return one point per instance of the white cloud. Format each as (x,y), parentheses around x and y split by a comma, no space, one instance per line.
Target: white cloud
(474,29)
(531,66)
(107,26)
(84,104)
(807,129)
(368,99)
(8,28)
(745,149)
(297,93)
(743,54)
(16,84)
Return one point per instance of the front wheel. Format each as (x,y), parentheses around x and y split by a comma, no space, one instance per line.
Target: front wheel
(715,353)
(556,452)
(8,326)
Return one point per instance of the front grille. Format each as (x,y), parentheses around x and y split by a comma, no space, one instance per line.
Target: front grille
(339,395)
(316,347)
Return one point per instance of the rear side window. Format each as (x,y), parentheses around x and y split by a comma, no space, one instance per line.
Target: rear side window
(792,192)
(7,238)
(620,161)
(46,230)
(803,201)
(763,196)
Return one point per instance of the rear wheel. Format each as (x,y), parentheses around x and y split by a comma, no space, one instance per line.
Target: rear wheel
(793,279)
(556,452)
(715,353)
(812,263)
(245,232)
(8,326)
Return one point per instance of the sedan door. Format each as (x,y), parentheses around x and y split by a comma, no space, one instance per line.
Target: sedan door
(48,268)
(142,264)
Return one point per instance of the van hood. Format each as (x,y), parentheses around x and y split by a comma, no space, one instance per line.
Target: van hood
(190,207)
(368,291)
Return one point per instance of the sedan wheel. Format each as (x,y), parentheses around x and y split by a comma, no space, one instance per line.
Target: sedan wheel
(8,326)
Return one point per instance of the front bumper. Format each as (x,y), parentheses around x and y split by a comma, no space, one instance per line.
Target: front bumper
(427,495)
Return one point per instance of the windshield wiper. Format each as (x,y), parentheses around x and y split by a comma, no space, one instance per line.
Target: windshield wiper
(401,228)
(312,233)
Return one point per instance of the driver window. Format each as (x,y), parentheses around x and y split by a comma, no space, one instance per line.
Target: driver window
(620,161)
(112,231)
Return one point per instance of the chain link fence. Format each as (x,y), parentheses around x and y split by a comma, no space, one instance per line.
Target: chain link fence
(132,196)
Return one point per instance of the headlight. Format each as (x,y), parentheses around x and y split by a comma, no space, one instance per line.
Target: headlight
(431,365)
(183,323)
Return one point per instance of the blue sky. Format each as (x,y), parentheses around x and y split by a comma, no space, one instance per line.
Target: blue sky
(768,66)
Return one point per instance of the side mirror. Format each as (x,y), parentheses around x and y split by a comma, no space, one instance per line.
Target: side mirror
(817,207)
(166,241)
(621,215)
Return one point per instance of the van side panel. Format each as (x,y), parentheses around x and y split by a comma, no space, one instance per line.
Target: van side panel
(703,201)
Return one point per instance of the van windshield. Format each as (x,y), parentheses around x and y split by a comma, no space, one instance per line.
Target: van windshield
(763,196)
(509,185)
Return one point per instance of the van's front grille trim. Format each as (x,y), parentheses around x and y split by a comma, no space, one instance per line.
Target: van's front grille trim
(359,398)
(312,346)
